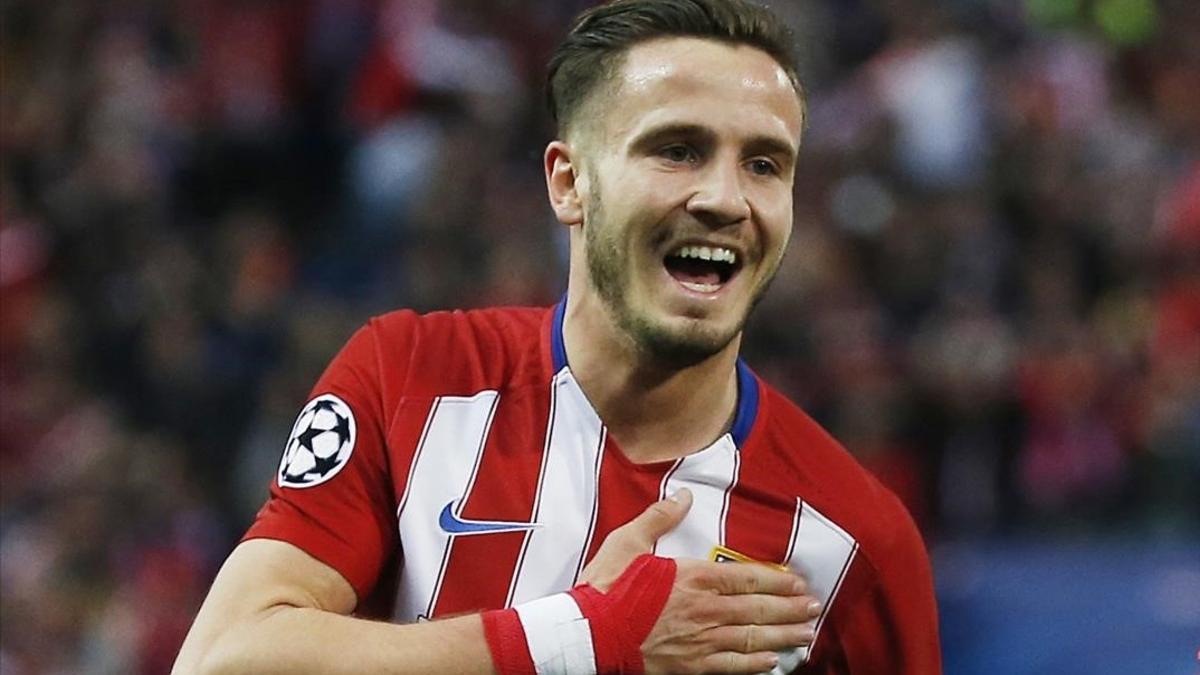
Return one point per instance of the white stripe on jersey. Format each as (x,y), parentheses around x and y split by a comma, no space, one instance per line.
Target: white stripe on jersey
(710,474)
(566,498)
(822,552)
(443,468)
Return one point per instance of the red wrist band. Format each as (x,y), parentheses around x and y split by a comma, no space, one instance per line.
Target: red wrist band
(506,639)
(584,630)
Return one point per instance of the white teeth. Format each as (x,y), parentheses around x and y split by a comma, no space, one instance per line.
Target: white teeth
(708,253)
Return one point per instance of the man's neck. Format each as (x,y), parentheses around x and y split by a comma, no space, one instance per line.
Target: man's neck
(655,412)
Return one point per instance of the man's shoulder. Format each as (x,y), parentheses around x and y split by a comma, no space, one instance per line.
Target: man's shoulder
(830,478)
(511,321)
(812,450)
(462,351)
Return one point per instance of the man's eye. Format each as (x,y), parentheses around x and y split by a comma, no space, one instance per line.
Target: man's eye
(678,153)
(763,167)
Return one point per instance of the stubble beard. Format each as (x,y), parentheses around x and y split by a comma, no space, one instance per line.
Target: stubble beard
(610,274)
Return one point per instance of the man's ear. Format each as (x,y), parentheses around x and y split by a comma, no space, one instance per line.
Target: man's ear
(562,182)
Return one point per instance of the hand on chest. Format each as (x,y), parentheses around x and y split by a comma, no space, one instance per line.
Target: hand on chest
(498,511)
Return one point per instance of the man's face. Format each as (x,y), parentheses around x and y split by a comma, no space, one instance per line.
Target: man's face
(687,192)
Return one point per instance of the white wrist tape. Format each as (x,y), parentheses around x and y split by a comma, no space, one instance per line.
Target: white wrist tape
(558,635)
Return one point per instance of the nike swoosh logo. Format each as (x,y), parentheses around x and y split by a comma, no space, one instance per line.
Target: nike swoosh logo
(452,524)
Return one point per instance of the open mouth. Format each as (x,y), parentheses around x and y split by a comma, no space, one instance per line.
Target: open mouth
(703,269)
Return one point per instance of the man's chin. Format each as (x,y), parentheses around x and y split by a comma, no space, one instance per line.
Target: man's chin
(681,342)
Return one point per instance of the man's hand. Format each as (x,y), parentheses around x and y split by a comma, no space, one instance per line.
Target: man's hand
(719,617)
(634,538)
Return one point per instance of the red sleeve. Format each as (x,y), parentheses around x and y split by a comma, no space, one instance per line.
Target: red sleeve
(338,506)
(892,627)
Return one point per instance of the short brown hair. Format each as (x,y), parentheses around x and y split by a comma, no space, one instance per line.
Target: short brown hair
(600,37)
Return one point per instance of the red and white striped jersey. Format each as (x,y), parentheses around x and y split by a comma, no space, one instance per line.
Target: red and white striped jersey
(450,463)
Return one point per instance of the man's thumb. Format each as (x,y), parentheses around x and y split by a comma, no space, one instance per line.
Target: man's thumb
(662,516)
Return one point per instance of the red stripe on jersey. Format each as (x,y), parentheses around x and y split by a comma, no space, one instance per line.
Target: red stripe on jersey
(481,566)
(626,489)
(760,517)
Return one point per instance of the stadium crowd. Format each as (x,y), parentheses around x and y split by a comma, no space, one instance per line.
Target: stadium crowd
(992,296)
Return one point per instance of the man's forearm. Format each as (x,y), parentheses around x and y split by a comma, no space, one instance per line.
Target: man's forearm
(303,640)
(275,609)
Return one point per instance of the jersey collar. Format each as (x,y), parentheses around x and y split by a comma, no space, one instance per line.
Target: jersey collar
(747,405)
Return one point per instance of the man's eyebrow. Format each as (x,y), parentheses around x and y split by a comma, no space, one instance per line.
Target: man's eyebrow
(756,145)
(661,133)
(771,145)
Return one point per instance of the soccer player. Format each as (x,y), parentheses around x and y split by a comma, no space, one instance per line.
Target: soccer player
(549,490)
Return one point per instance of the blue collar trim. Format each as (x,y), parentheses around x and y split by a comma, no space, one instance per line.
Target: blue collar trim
(747,405)
(558,348)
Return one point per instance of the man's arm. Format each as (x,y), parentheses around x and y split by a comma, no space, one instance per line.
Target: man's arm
(275,609)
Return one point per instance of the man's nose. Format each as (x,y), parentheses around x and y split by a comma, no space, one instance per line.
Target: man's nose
(719,199)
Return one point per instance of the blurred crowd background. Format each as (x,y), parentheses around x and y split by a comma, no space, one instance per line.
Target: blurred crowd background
(992,297)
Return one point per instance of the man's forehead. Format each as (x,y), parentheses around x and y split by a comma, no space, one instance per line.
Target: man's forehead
(691,60)
(691,80)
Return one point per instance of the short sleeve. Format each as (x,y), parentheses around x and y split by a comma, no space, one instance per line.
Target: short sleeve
(332,493)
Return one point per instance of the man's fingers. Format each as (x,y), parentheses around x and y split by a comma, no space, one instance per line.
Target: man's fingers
(757,638)
(764,609)
(737,662)
(732,579)
(658,519)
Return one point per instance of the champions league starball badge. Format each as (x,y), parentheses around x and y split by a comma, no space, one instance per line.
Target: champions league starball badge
(320,445)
